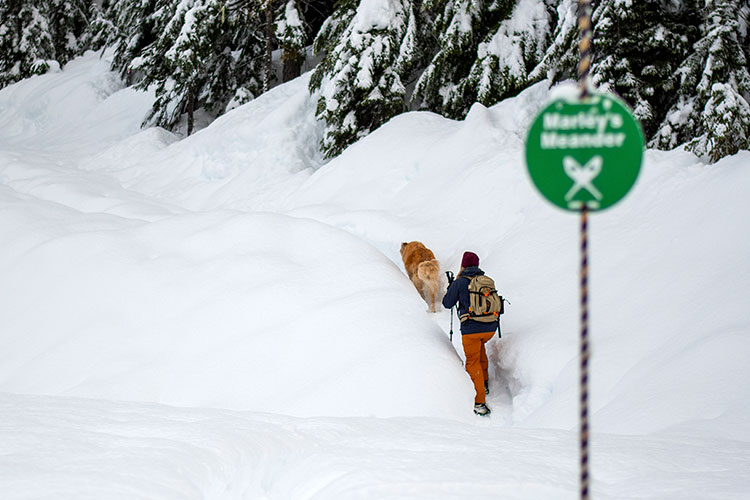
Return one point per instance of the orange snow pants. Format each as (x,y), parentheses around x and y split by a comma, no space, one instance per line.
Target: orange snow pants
(477,364)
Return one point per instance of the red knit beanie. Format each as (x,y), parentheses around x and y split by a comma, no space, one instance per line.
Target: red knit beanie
(469,259)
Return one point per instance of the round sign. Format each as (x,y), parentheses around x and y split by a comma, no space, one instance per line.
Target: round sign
(584,153)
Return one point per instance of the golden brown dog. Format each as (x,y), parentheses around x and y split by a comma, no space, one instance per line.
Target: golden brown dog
(423,270)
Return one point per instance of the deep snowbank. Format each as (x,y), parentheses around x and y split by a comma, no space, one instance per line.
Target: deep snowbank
(115,294)
(75,111)
(248,159)
(252,311)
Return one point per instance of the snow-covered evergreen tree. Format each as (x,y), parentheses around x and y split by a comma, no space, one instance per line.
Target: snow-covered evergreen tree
(200,60)
(292,36)
(361,78)
(637,49)
(244,70)
(68,20)
(36,34)
(137,25)
(712,114)
(175,63)
(328,38)
(459,26)
(100,32)
(560,60)
(505,62)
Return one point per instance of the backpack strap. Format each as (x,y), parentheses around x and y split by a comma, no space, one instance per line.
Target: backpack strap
(464,317)
(467,315)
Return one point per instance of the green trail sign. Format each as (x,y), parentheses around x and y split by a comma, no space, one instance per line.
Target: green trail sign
(584,153)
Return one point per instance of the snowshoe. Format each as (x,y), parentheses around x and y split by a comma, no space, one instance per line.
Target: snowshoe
(481,409)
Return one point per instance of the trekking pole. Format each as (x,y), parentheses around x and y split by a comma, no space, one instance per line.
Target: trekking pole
(450,277)
(451,332)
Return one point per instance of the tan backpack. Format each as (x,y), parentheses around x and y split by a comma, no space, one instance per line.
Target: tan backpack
(485,305)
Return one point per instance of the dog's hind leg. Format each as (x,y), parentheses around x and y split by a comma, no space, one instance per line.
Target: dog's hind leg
(429,273)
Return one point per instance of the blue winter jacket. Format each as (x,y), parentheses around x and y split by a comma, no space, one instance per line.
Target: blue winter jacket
(458,292)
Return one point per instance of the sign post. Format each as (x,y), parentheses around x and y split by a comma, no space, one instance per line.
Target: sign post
(584,154)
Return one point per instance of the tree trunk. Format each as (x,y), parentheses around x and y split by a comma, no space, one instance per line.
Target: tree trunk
(269,39)
(190,110)
(292,64)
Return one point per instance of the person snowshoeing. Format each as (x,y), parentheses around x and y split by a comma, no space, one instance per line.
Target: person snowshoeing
(474,334)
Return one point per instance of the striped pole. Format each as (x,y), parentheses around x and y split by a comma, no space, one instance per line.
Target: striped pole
(584,67)
(584,46)
(585,354)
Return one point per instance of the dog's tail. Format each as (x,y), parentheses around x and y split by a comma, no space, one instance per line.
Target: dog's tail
(429,272)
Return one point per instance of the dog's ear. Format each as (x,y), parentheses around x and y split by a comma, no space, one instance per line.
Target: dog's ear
(403,245)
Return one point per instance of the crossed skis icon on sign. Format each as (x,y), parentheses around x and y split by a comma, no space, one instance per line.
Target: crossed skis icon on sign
(583,179)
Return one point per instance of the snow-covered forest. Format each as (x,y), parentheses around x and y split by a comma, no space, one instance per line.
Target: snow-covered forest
(202,205)
(682,65)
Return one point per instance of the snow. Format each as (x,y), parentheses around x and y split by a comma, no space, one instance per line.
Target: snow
(183,14)
(528,23)
(289,28)
(374,15)
(227,316)
(291,17)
